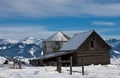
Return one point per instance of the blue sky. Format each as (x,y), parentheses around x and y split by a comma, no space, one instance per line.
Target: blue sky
(41,18)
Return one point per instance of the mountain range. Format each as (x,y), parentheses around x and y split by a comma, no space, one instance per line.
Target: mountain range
(115,45)
(31,47)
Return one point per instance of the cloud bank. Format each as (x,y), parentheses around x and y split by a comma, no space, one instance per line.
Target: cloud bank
(48,8)
(103,23)
(19,33)
(14,32)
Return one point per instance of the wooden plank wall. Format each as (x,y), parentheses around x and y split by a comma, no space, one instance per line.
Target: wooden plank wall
(100,52)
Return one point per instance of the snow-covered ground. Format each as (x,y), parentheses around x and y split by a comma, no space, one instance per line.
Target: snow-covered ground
(2,60)
(92,71)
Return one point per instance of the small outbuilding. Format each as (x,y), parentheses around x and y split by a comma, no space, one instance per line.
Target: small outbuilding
(89,47)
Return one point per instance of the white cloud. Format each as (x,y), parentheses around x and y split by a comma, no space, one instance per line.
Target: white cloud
(111,36)
(47,8)
(103,23)
(101,32)
(109,33)
(38,31)
(104,9)
(107,30)
(14,32)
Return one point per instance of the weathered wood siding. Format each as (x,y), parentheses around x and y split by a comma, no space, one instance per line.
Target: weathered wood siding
(52,46)
(53,61)
(95,52)
(36,62)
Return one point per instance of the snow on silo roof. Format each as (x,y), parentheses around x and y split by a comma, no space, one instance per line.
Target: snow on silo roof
(59,36)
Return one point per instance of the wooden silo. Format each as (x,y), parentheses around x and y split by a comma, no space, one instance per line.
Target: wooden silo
(53,43)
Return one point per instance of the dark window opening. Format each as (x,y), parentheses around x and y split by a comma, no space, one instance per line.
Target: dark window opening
(93,38)
(103,47)
(92,44)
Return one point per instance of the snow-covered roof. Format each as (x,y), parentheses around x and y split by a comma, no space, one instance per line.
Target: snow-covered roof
(76,41)
(59,36)
(72,45)
(55,55)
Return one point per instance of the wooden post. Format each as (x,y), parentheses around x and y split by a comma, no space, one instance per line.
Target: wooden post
(19,64)
(70,65)
(59,64)
(14,64)
(83,65)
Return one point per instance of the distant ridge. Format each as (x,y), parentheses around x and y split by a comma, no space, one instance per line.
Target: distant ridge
(29,47)
(115,44)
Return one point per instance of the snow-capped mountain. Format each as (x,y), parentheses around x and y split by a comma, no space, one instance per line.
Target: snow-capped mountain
(8,41)
(115,44)
(29,47)
(31,40)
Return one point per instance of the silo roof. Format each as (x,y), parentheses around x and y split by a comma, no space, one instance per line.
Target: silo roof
(59,36)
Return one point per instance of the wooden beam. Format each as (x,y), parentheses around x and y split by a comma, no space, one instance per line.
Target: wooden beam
(65,61)
(87,55)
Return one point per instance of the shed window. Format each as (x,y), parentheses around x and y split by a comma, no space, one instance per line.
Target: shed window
(103,47)
(92,44)
(93,37)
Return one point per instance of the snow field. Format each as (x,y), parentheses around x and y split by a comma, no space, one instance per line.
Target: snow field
(92,71)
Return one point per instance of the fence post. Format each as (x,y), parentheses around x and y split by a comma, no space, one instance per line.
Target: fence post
(59,64)
(70,65)
(19,64)
(83,66)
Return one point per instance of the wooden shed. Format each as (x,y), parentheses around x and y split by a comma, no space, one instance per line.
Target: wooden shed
(90,47)
(87,46)
(53,43)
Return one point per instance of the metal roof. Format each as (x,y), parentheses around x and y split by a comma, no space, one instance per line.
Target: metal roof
(59,36)
(76,41)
